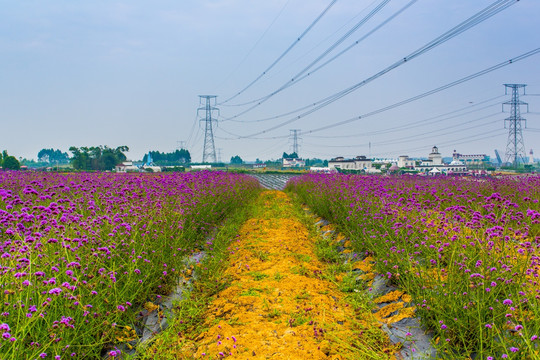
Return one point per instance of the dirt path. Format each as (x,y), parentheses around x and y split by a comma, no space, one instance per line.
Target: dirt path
(281,302)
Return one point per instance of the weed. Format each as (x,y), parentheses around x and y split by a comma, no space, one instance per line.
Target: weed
(258,276)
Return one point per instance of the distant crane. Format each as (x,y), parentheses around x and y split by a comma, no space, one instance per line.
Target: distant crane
(499,161)
(149,161)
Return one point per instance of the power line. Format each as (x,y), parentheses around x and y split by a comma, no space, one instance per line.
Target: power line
(289,83)
(476,19)
(409,100)
(435,131)
(256,43)
(431,92)
(422,122)
(284,53)
(462,140)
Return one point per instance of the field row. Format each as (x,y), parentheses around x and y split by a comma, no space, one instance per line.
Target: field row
(466,251)
(81,253)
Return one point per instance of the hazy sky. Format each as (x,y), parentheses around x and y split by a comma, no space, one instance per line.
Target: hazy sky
(116,73)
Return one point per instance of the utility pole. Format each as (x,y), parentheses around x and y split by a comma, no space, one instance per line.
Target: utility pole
(181,144)
(209,149)
(515,148)
(294,138)
(219,154)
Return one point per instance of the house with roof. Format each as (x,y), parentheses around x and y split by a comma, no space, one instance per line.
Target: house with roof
(359,163)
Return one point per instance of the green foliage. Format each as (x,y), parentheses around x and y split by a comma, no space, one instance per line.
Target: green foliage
(97,157)
(176,157)
(316,162)
(10,163)
(174,169)
(290,156)
(236,160)
(53,156)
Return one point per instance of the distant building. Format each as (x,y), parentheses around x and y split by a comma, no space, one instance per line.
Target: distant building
(293,162)
(126,166)
(475,159)
(318,169)
(435,157)
(358,163)
(200,167)
(434,165)
(259,166)
(405,162)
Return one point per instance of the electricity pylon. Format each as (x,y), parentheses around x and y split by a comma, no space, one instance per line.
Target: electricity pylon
(515,148)
(294,137)
(209,149)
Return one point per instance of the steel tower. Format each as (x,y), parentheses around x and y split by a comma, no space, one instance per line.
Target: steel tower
(515,148)
(209,150)
(294,138)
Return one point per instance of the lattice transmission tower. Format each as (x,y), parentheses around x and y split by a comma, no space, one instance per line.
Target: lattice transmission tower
(515,148)
(209,149)
(294,137)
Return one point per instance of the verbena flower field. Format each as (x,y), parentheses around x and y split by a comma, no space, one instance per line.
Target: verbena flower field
(79,253)
(467,251)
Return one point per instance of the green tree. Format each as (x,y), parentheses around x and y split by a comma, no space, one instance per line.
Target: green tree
(10,163)
(236,160)
(176,157)
(97,157)
(290,156)
(53,156)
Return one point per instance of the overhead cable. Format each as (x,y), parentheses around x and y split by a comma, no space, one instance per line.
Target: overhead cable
(284,53)
(476,19)
(409,100)
(351,31)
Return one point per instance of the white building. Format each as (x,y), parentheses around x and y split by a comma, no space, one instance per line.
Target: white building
(435,157)
(405,162)
(126,166)
(291,162)
(434,165)
(318,169)
(201,167)
(473,159)
(359,163)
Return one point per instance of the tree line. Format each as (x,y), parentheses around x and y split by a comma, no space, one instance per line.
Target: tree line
(176,157)
(9,162)
(97,157)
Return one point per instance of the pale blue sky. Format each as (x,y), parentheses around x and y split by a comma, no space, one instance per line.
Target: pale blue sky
(129,73)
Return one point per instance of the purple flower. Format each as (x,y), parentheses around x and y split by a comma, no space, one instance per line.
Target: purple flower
(121,308)
(55,291)
(507,302)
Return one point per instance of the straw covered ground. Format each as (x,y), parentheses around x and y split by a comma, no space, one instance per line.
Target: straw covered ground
(277,299)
